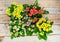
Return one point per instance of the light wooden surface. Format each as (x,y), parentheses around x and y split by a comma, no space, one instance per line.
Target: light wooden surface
(53,6)
(52,38)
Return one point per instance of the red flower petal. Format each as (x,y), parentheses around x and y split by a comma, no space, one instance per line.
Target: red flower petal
(34,7)
(27,9)
(41,11)
(29,14)
(31,11)
(35,20)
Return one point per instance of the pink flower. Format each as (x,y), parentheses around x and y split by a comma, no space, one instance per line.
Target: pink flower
(27,23)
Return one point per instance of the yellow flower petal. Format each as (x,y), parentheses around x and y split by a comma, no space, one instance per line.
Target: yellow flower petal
(14,3)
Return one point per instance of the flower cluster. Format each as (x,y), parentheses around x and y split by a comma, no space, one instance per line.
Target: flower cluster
(15,10)
(34,11)
(27,20)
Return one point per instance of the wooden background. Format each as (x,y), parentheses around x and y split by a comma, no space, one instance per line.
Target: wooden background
(53,6)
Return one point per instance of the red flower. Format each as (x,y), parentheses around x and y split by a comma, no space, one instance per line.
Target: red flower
(29,14)
(35,11)
(27,9)
(41,11)
(31,11)
(34,7)
(35,20)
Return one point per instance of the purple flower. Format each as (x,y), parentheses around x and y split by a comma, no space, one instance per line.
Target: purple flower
(27,23)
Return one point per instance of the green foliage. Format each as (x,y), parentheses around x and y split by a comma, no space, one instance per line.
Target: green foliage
(46,12)
(24,13)
(12,8)
(51,23)
(12,36)
(28,32)
(38,15)
(30,7)
(25,5)
(18,26)
(36,3)
(38,8)
(12,18)
(11,29)
(49,32)
(39,37)
(36,30)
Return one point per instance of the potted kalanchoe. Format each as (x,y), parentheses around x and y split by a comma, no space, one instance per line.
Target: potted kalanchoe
(26,20)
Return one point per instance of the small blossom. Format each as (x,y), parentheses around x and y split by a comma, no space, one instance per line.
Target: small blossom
(33,26)
(27,23)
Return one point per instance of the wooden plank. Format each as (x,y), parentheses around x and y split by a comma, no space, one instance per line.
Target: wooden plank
(45,3)
(53,17)
(53,38)
(49,3)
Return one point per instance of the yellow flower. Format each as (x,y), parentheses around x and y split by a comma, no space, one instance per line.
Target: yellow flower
(18,16)
(48,25)
(44,29)
(8,12)
(42,19)
(50,28)
(47,29)
(16,13)
(20,8)
(44,24)
(14,3)
(37,25)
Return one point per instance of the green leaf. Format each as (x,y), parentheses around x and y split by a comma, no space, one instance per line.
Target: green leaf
(46,12)
(12,8)
(38,8)
(11,29)
(36,3)
(44,37)
(12,18)
(12,36)
(25,5)
(38,15)
(24,13)
(39,37)
(36,30)
(23,33)
(28,32)
(30,7)
(51,23)
(49,32)
(46,18)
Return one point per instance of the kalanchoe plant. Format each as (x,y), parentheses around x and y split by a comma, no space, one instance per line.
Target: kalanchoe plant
(27,19)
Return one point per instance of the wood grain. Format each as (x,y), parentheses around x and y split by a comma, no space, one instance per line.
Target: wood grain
(45,3)
(53,38)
